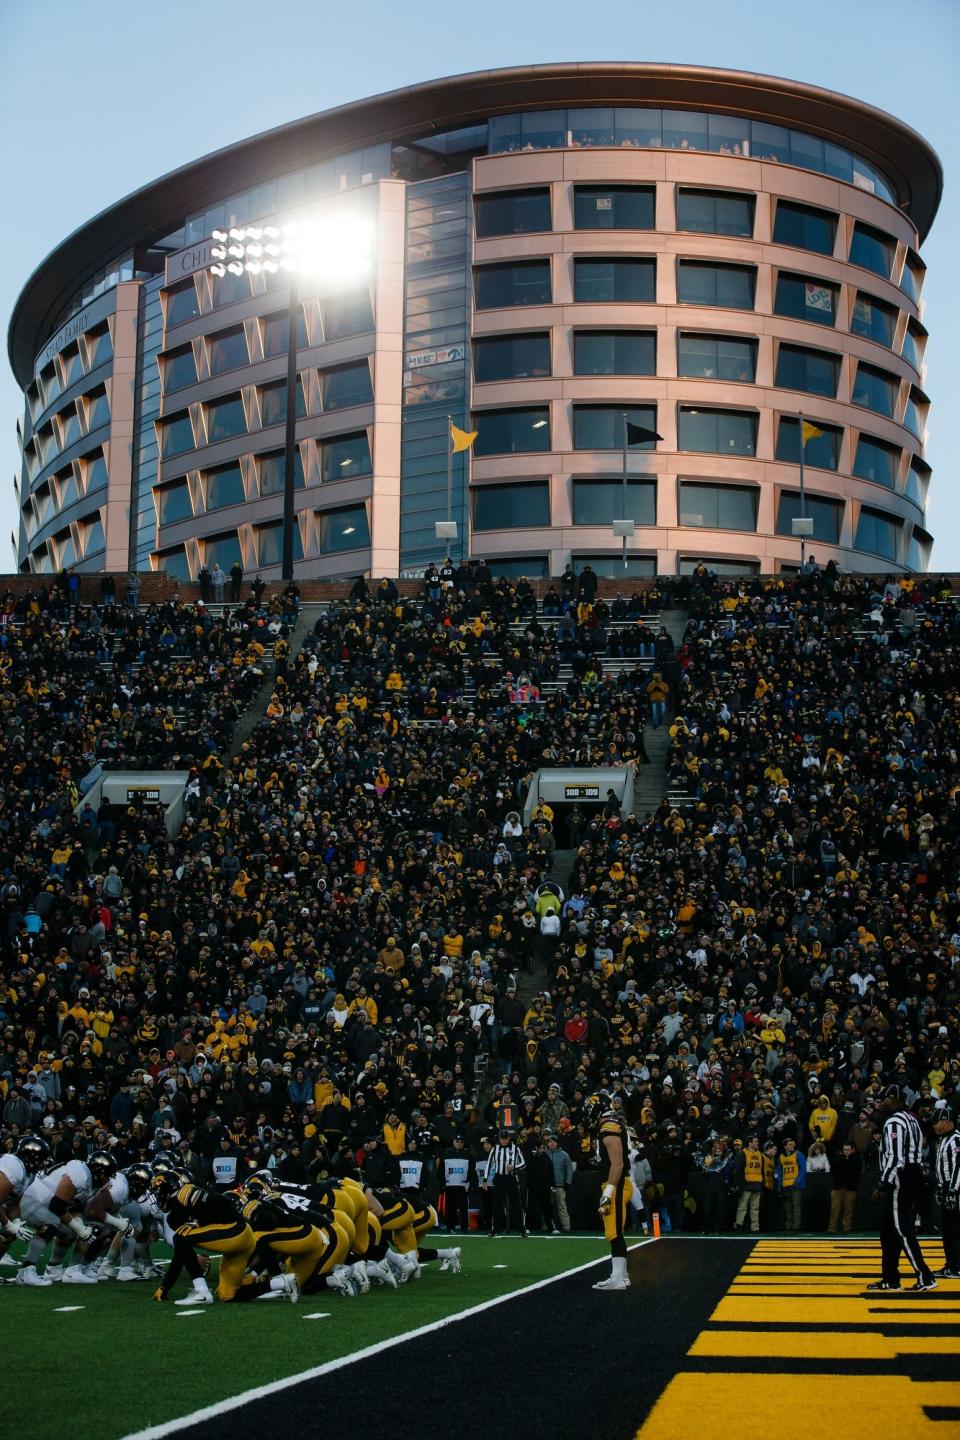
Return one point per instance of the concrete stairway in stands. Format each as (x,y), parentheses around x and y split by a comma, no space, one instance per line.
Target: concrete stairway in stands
(256,710)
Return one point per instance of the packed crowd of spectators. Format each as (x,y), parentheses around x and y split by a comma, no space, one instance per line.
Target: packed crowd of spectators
(329,957)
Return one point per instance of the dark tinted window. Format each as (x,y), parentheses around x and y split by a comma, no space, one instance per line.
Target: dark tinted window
(826,515)
(509,507)
(821,451)
(719,507)
(715,212)
(346,529)
(511,432)
(228,350)
(873,319)
(225,419)
(179,369)
(607,281)
(511,357)
(273,403)
(872,249)
(804,226)
(877,461)
(878,533)
(222,550)
(276,331)
(815,371)
(344,457)
(613,207)
(600,427)
(182,304)
(716,357)
(524,282)
(270,544)
(599,502)
(175,503)
(98,409)
(718,432)
(176,435)
(875,389)
(513,212)
(346,385)
(728,286)
(224,487)
(346,315)
(229,288)
(271,468)
(614,352)
(803,299)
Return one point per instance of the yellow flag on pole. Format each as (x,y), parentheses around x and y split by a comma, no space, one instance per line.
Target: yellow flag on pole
(810,432)
(462,439)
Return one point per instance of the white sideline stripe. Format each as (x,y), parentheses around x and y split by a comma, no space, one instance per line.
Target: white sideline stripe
(182,1314)
(260,1392)
(318,1315)
(68,1309)
(499,1267)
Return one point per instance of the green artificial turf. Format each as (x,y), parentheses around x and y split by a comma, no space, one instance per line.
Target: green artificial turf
(124,1362)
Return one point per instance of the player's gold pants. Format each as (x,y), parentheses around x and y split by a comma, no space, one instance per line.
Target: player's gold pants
(615,1220)
(234,1242)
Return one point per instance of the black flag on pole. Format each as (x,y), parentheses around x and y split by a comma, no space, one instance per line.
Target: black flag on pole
(637,434)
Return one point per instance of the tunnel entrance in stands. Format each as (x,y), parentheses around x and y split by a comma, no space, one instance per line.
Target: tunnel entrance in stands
(583,787)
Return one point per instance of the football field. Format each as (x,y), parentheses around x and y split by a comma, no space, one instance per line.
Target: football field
(518,1344)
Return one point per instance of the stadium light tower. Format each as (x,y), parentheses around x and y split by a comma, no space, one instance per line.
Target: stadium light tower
(336,252)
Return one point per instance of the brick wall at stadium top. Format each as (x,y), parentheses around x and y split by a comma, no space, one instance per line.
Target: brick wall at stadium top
(156,587)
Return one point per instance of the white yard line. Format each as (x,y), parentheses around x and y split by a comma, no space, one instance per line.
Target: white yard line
(261,1392)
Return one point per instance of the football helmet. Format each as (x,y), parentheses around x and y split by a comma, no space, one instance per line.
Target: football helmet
(256,1186)
(165,1184)
(102,1166)
(34,1153)
(138,1178)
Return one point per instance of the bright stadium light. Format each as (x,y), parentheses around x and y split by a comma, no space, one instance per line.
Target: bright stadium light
(335,251)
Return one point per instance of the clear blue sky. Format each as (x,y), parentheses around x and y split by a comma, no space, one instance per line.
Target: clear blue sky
(97,100)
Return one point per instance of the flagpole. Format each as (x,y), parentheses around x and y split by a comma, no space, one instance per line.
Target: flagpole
(803,501)
(624,415)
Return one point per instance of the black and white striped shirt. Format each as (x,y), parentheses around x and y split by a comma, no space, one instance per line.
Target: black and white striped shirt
(948,1163)
(505,1160)
(901,1144)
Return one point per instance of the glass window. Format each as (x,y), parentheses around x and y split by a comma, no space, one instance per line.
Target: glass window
(918,550)
(41,504)
(49,384)
(613,207)
(511,357)
(276,329)
(826,515)
(67,488)
(805,226)
(769,142)
(346,529)
(803,299)
(875,389)
(638,128)
(270,468)
(702,283)
(911,347)
(814,371)
(173,503)
(224,487)
(511,432)
(718,507)
(174,563)
(918,476)
(684,130)
(270,543)
(838,162)
(612,567)
(913,415)
(531,566)
(728,135)
(600,502)
(615,352)
(910,282)
(872,249)
(873,319)
(225,419)
(47,444)
(273,403)
(820,451)
(877,533)
(718,432)
(513,212)
(807,151)
(222,550)
(345,457)
(70,431)
(71,365)
(99,347)
(229,288)
(611,281)
(511,507)
(346,385)
(66,550)
(228,350)
(346,315)
(877,461)
(179,369)
(98,409)
(522,282)
(94,539)
(715,212)
(591,127)
(182,304)
(690,563)
(600,427)
(716,357)
(96,472)
(535,130)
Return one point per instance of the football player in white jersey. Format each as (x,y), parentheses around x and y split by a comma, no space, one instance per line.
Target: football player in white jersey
(53,1205)
(119,1204)
(16,1171)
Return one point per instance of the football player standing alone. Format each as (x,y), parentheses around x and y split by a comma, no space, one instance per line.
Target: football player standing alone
(612,1144)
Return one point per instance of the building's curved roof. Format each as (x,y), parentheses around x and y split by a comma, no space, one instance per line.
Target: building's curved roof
(160,207)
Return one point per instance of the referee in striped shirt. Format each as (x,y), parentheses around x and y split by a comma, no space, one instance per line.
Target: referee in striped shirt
(505,1167)
(901,1180)
(947,1180)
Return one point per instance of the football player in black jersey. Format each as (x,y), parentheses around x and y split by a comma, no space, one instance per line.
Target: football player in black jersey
(613,1152)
